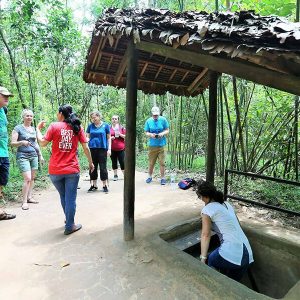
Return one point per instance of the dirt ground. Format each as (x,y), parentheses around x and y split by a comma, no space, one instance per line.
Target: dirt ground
(38,262)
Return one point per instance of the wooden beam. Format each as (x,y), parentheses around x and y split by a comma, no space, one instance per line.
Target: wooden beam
(258,74)
(153,63)
(159,69)
(97,52)
(212,128)
(139,79)
(109,64)
(122,67)
(129,173)
(197,79)
(186,73)
(100,54)
(117,42)
(144,69)
(172,75)
(163,83)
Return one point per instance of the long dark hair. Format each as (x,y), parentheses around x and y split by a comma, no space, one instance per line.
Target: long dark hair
(70,117)
(207,189)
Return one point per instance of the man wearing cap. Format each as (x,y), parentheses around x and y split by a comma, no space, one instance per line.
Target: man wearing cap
(156,129)
(4,161)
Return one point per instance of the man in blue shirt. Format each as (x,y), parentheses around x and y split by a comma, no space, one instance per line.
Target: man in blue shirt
(156,128)
(4,162)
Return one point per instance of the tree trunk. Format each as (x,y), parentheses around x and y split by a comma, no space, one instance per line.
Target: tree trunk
(13,66)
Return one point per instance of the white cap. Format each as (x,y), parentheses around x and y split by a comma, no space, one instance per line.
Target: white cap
(4,91)
(155,111)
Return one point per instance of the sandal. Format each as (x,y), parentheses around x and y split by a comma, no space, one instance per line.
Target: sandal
(25,206)
(31,200)
(6,216)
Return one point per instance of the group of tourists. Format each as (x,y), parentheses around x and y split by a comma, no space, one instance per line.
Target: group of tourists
(101,140)
(105,140)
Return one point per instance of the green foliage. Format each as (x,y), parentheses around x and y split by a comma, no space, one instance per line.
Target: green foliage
(98,7)
(49,54)
(13,190)
(285,8)
(272,193)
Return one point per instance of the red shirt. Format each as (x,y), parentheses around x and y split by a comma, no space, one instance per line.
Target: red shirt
(64,159)
(117,144)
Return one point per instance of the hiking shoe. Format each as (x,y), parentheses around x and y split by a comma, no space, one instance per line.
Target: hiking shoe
(115,177)
(105,189)
(92,189)
(73,229)
(163,181)
(149,179)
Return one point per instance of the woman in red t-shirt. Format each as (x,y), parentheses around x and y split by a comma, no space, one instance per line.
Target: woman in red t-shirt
(118,133)
(63,165)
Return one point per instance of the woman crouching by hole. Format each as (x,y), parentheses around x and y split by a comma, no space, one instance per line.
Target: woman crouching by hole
(234,255)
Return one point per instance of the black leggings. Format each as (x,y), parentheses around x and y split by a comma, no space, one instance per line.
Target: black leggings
(99,157)
(117,156)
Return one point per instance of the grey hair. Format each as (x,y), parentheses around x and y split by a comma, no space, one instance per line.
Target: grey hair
(97,113)
(25,112)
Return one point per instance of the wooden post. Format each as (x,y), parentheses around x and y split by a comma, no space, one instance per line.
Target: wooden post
(129,176)
(212,127)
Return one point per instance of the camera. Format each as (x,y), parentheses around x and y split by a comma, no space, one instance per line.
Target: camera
(156,136)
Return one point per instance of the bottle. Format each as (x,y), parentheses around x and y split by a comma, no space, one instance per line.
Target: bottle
(117,132)
(173,181)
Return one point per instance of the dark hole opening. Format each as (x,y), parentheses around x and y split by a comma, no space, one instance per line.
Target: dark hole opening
(276,267)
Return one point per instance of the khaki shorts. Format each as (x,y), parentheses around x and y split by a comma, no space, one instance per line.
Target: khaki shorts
(156,152)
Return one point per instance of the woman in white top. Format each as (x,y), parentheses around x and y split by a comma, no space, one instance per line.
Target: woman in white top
(234,255)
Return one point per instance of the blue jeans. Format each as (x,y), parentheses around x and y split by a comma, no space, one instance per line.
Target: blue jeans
(236,272)
(66,186)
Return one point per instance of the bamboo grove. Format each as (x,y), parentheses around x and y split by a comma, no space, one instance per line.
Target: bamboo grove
(42,56)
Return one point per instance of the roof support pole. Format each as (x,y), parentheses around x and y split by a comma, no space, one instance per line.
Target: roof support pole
(131,108)
(212,127)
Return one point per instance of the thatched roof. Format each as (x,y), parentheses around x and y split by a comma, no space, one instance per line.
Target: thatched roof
(178,50)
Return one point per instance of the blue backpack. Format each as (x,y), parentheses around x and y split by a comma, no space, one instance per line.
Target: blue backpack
(186,183)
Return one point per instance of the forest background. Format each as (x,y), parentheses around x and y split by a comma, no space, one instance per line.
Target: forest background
(43,45)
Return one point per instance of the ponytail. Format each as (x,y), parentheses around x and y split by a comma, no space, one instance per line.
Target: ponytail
(207,189)
(70,117)
(219,196)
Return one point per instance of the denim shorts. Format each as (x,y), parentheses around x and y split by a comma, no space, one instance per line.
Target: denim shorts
(4,170)
(28,164)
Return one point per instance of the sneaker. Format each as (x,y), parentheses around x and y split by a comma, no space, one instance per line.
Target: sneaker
(163,181)
(149,179)
(105,189)
(92,188)
(115,177)
(73,229)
